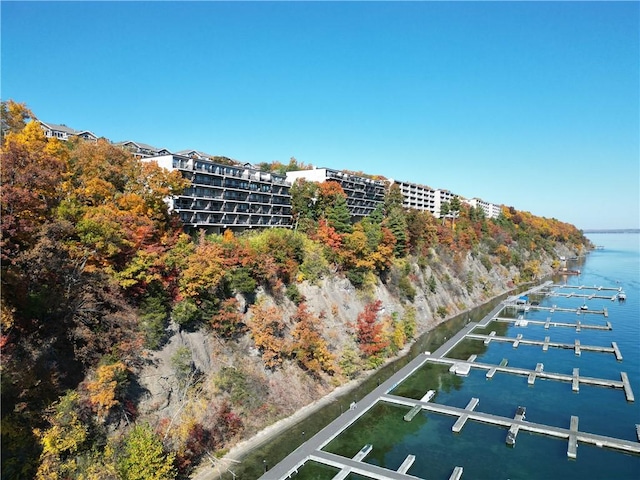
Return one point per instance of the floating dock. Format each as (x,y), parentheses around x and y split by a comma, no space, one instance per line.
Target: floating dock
(572,434)
(575,382)
(576,346)
(515,427)
(627,387)
(406,465)
(548,323)
(578,310)
(456,474)
(585,287)
(462,419)
(622,384)
(572,449)
(412,413)
(532,376)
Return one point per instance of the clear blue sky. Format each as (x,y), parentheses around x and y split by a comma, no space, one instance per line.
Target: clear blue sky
(530,104)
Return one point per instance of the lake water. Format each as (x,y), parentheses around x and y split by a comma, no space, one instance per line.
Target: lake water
(480,448)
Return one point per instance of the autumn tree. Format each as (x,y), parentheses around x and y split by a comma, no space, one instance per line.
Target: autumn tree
(369,332)
(228,321)
(106,389)
(268,331)
(63,441)
(309,348)
(143,457)
(31,174)
(204,271)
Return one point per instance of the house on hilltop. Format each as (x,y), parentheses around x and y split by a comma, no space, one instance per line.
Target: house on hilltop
(62,132)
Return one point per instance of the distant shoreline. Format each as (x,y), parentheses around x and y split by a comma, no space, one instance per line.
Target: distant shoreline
(613,230)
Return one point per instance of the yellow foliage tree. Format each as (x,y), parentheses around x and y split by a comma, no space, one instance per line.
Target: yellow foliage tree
(103,390)
(62,441)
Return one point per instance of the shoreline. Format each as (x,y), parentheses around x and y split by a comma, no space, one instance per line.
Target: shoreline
(215,469)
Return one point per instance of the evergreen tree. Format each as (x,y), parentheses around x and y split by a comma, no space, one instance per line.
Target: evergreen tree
(377,216)
(396,222)
(338,215)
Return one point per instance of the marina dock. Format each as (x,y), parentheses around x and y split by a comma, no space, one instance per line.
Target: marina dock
(492,369)
(548,323)
(572,434)
(311,449)
(464,417)
(576,346)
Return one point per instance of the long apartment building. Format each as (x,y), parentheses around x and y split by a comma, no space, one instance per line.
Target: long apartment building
(228,196)
(422,197)
(363,194)
(491,210)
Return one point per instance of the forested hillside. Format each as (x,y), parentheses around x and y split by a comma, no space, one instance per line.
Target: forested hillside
(133,350)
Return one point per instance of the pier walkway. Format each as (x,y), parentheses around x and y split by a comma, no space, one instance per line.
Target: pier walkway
(539,372)
(598,440)
(585,287)
(548,323)
(572,346)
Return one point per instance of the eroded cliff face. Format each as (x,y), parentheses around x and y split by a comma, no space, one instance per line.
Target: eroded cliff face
(190,374)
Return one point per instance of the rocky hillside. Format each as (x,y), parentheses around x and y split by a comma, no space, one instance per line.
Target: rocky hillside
(460,284)
(133,349)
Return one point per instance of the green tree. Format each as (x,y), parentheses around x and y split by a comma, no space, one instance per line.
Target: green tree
(445,208)
(396,221)
(454,210)
(304,203)
(186,313)
(338,215)
(154,316)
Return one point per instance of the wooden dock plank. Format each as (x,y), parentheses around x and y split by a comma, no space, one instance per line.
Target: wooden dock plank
(576,380)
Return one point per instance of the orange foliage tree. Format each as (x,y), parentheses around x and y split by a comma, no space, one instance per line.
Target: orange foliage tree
(268,331)
(309,348)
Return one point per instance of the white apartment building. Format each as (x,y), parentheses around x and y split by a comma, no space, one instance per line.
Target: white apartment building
(228,196)
(363,194)
(417,197)
(422,197)
(491,210)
